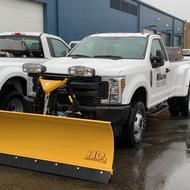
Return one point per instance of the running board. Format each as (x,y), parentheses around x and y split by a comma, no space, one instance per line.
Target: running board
(158,110)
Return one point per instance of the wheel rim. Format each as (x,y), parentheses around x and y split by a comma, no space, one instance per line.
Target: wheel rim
(139,125)
(15,105)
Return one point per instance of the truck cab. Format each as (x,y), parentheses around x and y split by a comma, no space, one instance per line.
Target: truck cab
(32,45)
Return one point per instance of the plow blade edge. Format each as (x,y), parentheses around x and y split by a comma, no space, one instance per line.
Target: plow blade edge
(71,147)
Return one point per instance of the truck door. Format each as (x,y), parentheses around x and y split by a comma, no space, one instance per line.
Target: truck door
(160,75)
(54,46)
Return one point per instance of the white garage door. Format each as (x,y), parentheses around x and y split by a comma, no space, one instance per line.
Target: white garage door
(21,15)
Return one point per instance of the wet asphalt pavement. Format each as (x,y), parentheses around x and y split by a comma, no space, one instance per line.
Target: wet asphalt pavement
(160,163)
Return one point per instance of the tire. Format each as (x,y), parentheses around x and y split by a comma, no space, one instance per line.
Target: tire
(185,105)
(180,106)
(136,125)
(174,107)
(12,101)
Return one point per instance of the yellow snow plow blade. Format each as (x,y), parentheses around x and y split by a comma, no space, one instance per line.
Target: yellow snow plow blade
(65,146)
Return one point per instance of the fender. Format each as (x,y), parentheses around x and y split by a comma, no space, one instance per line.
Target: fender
(10,72)
(132,86)
(187,82)
(181,85)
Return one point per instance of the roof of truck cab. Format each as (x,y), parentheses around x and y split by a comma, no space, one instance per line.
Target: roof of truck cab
(120,34)
(21,33)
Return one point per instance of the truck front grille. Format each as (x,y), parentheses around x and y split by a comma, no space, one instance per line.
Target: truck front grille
(89,90)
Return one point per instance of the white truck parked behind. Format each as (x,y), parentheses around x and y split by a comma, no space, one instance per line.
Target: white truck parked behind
(121,78)
(17,49)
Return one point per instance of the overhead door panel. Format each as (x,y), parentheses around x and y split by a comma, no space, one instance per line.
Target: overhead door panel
(21,15)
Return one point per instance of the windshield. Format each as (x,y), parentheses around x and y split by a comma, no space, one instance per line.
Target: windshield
(20,46)
(110,47)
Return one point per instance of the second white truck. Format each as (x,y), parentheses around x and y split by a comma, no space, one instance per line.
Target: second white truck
(17,48)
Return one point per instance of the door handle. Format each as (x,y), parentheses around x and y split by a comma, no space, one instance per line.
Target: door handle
(167,70)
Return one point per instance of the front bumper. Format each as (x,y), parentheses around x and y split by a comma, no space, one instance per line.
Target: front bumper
(117,115)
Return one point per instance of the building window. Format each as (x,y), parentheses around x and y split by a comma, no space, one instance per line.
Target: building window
(177,41)
(115,4)
(127,6)
(133,9)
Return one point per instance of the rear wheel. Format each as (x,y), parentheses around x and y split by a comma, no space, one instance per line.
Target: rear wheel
(12,101)
(174,107)
(136,125)
(180,106)
(185,105)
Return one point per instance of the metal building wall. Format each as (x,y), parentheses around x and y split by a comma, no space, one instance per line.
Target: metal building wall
(162,23)
(50,16)
(75,19)
(150,18)
(178,27)
(178,33)
(158,22)
(79,18)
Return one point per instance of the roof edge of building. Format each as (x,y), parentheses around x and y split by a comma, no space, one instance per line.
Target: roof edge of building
(156,9)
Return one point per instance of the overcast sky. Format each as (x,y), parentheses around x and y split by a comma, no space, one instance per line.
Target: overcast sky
(178,8)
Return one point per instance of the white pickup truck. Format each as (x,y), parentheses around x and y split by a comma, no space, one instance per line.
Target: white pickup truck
(17,49)
(123,78)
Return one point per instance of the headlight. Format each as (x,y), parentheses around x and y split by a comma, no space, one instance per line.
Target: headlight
(33,68)
(81,71)
(116,88)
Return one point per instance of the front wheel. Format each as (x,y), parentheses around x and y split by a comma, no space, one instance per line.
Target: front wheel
(136,125)
(13,101)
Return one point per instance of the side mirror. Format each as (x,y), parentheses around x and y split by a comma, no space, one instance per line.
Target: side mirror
(158,60)
(72,44)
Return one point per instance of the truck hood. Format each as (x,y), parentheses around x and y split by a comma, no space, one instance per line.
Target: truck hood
(103,67)
(19,61)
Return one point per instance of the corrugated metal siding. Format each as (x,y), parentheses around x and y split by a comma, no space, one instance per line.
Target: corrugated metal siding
(178,27)
(150,17)
(50,16)
(178,33)
(75,19)
(90,16)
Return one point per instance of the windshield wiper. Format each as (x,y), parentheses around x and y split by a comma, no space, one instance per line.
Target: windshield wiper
(78,55)
(108,56)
